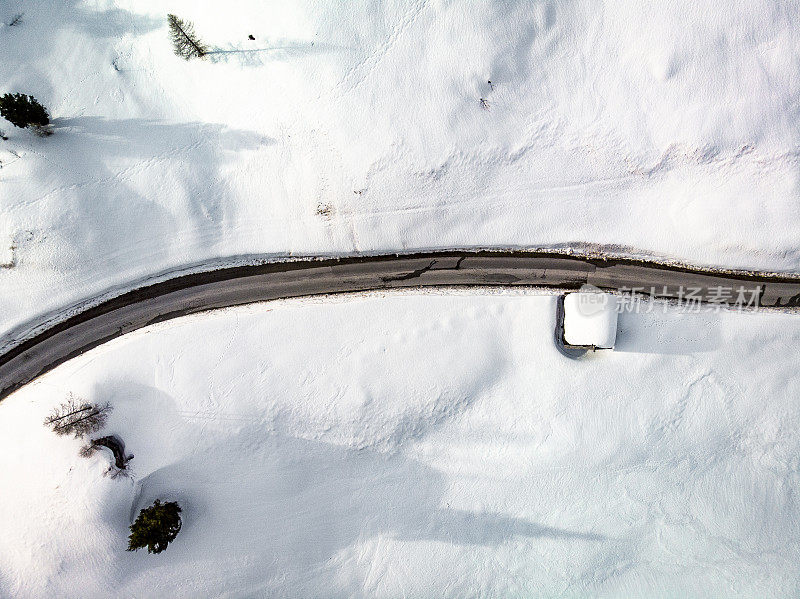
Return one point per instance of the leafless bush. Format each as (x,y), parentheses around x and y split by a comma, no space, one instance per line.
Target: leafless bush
(324,210)
(114,473)
(77,417)
(88,450)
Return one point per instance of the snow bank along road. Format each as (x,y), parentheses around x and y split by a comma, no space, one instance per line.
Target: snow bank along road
(190,293)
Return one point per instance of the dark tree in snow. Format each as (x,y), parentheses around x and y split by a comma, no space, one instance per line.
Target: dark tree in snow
(77,417)
(15,20)
(113,443)
(23,111)
(155,527)
(184,40)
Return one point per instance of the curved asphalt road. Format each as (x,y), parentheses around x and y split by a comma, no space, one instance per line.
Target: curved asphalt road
(188,294)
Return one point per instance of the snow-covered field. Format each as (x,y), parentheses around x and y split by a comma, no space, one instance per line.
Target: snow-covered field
(415,445)
(357,126)
(420,446)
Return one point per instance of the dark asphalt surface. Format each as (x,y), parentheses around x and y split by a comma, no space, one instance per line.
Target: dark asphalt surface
(192,293)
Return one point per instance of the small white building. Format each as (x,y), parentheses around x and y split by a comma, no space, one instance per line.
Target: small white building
(590,320)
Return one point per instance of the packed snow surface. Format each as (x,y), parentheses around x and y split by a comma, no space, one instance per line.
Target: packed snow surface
(419,446)
(590,319)
(362,126)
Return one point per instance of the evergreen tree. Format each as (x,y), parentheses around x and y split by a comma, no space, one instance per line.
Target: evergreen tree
(155,527)
(23,111)
(184,40)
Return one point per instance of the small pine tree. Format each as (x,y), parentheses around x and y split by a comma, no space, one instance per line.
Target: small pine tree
(155,527)
(77,417)
(184,40)
(23,111)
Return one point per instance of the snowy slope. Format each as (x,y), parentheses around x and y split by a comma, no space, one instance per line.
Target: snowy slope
(418,446)
(357,127)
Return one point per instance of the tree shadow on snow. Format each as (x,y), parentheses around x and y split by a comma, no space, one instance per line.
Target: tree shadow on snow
(135,195)
(280,50)
(289,505)
(144,182)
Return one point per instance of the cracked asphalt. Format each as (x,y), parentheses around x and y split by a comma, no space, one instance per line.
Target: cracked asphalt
(30,357)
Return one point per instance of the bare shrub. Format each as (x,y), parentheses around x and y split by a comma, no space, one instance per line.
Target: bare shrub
(88,450)
(77,417)
(324,210)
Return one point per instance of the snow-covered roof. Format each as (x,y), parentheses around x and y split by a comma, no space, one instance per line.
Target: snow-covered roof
(590,318)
